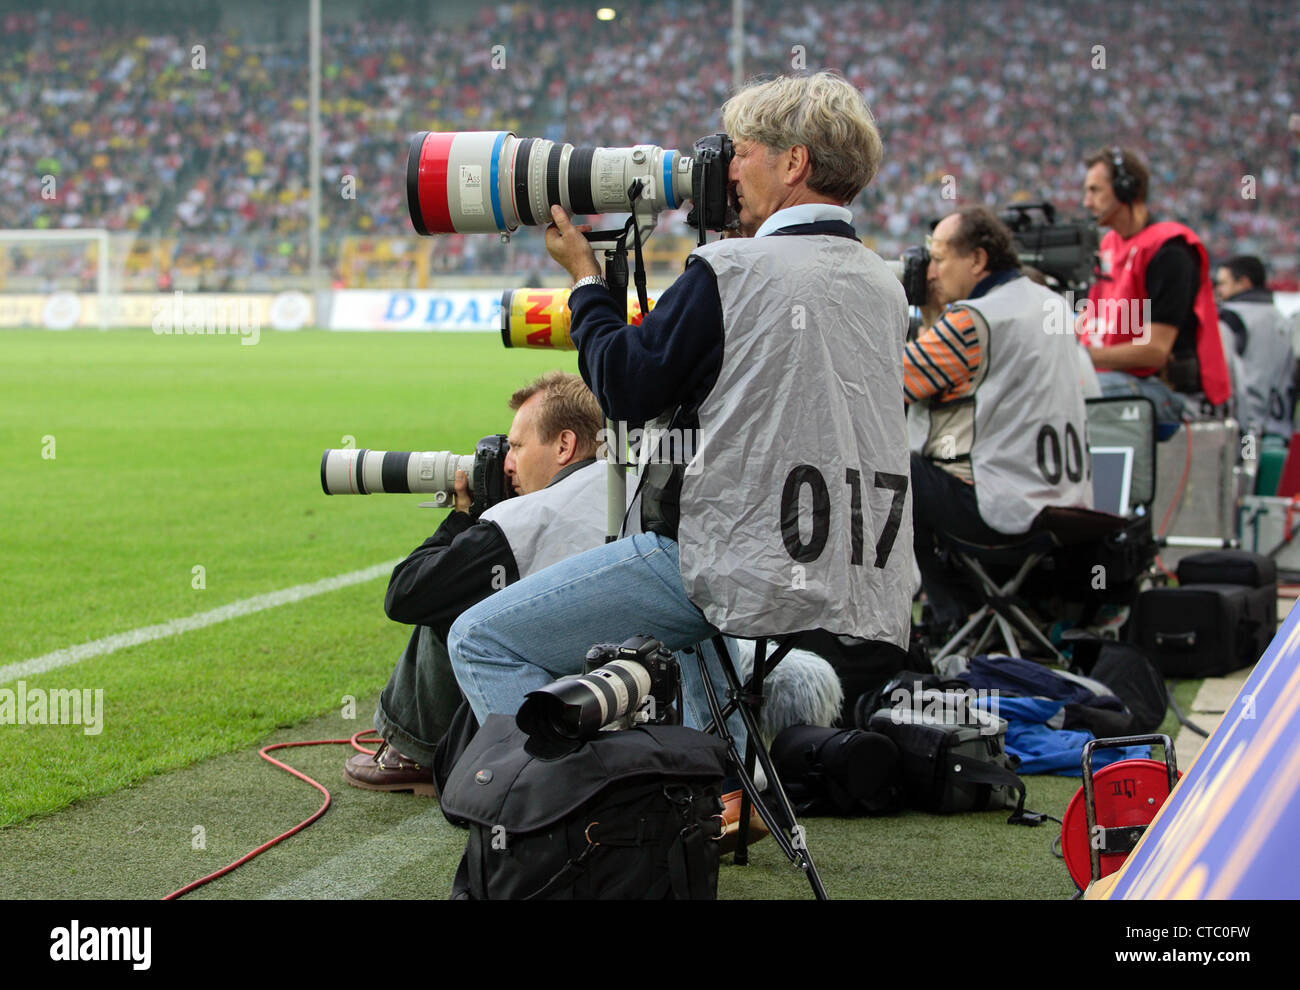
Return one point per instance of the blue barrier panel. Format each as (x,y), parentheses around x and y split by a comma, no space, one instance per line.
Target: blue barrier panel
(1231,829)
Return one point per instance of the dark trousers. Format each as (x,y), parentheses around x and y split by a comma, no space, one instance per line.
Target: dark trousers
(417,705)
(945,505)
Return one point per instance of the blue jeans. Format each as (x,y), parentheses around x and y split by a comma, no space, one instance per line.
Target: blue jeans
(540,628)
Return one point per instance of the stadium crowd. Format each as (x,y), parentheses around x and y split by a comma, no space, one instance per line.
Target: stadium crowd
(979,106)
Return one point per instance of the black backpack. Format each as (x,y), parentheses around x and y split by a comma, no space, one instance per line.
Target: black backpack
(631,814)
(451,747)
(1127,670)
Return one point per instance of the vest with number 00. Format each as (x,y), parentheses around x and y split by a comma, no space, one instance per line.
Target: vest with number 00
(1030,449)
(796,510)
(1266,367)
(547,526)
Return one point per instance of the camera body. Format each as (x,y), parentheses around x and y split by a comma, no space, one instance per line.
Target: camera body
(659,664)
(916,264)
(1066,253)
(713,207)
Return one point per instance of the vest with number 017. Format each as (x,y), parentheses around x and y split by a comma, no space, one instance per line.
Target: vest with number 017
(1030,446)
(796,510)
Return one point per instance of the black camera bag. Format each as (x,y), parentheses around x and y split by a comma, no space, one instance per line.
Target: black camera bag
(952,763)
(1221,617)
(1123,556)
(838,771)
(1251,570)
(1126,669)
(630,814)
(1200,630)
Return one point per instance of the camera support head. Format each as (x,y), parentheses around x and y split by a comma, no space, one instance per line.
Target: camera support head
(614,243)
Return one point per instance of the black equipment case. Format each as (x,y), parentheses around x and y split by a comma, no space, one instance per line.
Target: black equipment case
(1221,617)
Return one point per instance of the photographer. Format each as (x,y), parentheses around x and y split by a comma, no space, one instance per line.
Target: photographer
(1006,409)
(782,353)
(1151,323)
(559,511)
(1262,341)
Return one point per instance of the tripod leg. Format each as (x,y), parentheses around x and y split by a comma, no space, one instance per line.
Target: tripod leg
(777,656)
(792,844)
(747,784)
(741,857)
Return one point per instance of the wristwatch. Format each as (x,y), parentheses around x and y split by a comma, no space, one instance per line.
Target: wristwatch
(590,280)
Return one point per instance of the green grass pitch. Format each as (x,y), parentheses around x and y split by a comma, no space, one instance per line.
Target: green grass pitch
(131,460)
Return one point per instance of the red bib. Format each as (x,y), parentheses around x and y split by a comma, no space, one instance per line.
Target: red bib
(1116,301)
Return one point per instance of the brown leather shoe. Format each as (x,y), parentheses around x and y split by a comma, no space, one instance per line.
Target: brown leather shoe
(389,770)
(731,824)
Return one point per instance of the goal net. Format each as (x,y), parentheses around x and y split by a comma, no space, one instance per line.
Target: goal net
(61,278)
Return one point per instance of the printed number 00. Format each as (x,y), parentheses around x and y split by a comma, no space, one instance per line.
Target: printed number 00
(1050,462)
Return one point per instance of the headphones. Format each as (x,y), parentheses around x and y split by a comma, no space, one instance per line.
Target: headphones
(1123,182)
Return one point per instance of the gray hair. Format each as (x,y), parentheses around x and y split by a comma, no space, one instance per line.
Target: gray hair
(824,113)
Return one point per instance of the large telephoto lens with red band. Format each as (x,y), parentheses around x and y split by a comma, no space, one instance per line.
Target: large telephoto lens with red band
(472,182)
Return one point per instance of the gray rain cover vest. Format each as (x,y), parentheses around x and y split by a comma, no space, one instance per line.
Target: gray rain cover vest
(551,525)
(796,510)
(1031,444)
(1266,366)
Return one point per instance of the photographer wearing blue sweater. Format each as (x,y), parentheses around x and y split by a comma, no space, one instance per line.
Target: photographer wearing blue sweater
(781,353)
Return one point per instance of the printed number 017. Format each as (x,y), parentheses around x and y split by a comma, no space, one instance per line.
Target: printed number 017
(806,474)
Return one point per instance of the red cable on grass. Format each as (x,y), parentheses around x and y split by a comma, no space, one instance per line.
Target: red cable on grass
(355,740)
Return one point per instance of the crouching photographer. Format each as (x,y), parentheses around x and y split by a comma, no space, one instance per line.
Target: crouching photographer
(782,354)
(559,511)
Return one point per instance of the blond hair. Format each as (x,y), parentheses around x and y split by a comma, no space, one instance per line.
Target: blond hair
(567,404)
(824,113)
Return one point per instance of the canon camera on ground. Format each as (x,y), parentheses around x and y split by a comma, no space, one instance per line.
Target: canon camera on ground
(636,682)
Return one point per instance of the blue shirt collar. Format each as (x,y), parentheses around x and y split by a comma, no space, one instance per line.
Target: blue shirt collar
(992,281)
(803,213)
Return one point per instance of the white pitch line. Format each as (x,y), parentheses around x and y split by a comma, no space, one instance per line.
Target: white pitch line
(174,627)
(353,874)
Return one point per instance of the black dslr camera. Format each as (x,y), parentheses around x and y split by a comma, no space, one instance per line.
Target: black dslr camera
(916,264)
(622,686)
(712,208)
